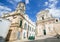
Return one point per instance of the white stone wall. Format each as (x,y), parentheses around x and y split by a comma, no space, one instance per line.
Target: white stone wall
(31,24)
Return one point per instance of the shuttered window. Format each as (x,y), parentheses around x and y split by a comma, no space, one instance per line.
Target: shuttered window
(21,23)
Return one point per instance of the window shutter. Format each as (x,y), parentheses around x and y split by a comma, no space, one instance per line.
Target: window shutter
(21,23)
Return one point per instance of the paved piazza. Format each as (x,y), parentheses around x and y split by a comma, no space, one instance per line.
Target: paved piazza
(46,40)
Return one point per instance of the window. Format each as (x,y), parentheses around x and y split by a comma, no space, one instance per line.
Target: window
(21,23)
(42,18)
(56,20)
(25,26)
(18,35)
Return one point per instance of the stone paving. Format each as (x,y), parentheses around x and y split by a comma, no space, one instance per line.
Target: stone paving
(41,39)
(53,39)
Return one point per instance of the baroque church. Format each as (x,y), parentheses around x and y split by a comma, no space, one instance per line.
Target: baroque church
(45,24)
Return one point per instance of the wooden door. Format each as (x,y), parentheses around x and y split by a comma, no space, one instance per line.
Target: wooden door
(8,35)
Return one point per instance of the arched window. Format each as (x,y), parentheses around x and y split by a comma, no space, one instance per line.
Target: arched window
(21,23)
(25,26)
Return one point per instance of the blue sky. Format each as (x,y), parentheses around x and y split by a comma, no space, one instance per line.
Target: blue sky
(32,7)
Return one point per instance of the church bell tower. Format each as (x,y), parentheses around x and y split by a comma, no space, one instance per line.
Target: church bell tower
(21,7)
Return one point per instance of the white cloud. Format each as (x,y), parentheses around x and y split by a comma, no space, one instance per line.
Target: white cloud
(51,6)
(52,0)
(55,12)
(17,0)
(27,1)
(46,3)
(53,9)
(4,9)
(52,3)
(13,1)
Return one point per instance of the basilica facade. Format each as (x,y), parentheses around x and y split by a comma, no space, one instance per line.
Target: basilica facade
(46,24)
